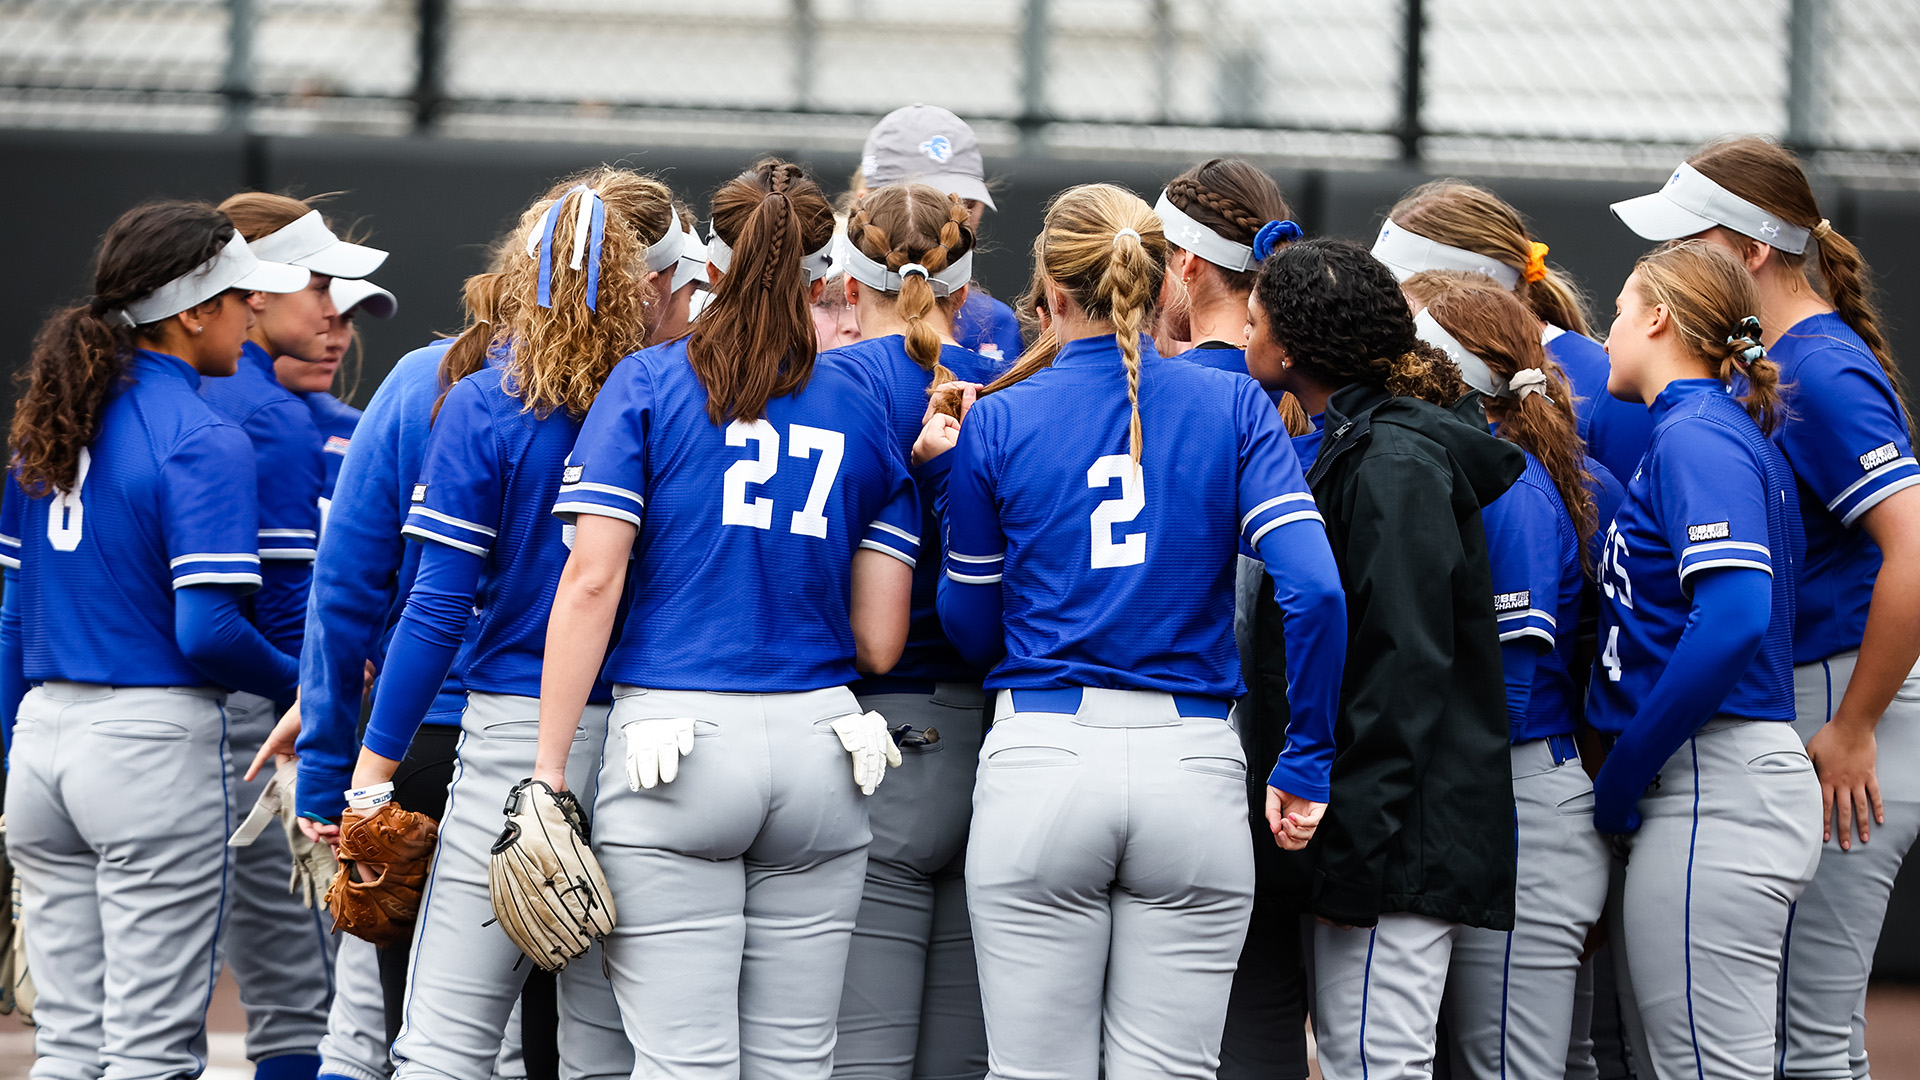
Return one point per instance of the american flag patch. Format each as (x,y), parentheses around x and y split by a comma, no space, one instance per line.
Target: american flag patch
(336,445)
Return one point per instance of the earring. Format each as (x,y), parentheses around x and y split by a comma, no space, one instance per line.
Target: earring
(197,329)
(1286,364)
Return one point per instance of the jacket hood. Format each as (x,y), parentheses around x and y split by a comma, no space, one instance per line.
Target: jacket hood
(1491,464)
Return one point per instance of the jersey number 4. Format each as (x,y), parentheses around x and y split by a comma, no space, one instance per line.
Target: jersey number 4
(802,442)
(1615,582)
(65,515)
(1131,551)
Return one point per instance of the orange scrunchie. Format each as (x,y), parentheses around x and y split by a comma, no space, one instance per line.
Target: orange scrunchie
(1536,262)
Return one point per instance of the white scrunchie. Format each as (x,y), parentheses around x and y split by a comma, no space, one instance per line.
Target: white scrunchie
(1528,381)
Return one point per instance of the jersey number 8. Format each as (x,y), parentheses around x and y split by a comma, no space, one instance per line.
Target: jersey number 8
(802,442)
(65,515)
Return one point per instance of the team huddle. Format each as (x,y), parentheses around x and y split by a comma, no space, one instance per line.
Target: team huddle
(881,681)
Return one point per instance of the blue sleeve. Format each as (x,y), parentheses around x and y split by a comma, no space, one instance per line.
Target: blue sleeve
(457,499)
(1523,551)
(206,516)
(1608,494)
(1519,659)
(607,470)
(1724,631)
(291,475)
(895,530)
(13,680)
(424,646)
(968,598)
(1711,493)
(1846,436)
(354,580)
(221,644)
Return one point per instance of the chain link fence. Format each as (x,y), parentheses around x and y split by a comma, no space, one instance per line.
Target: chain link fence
(1548,86)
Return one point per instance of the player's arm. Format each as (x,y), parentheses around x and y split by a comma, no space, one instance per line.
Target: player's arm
(882,600)
(13,680)
(584,608)
(287,445)
(968,596)
(216,638)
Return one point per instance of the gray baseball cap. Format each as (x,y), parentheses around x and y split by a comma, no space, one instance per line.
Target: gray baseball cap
(927,144)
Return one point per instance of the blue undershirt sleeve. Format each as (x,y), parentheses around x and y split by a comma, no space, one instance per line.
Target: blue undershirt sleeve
(423,647)
(217,639)
(1306,583)
(13,680)
(1519,658)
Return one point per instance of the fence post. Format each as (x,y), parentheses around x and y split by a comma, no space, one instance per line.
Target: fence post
(1033,76)
(1412,74)
(429,81)
(1806,75)
(237,83)
(806,29)
(1163,50)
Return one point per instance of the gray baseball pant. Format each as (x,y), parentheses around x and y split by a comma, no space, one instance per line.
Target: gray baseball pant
(1377,995)
(465,975)
(1729,838)
(1110,878)
(1510,994)
(355,1046)
(1834,928)
(736,884)
(277,947)
(918,816)
(119,804)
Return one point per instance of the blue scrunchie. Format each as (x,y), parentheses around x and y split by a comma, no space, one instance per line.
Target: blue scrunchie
(1271,234)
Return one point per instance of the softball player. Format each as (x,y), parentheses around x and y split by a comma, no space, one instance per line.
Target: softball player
(1419,838)
(1705,779)
(1450,225)
(128,536)
(491,546)
(911,1006)
(772,529)
(1109,870)
(1510,993)
(1846,433)
(314,382)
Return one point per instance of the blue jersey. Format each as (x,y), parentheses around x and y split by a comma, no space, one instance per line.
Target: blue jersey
(286,449)
(1113,577)
(1221,356)
(1307,447)
(744,557)
(336,420)
(988,327)
(362,576)
(491,474)
(1846,437)
(164,499)
(901,385)
(1712,492)
(1534,553)
(1615,431)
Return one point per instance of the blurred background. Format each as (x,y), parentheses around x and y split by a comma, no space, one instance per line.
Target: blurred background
(434,121)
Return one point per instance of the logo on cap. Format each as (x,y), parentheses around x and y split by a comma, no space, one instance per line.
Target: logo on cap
(939,148)
(1674,179)
(1190,232)
(1769,229)
(869,165)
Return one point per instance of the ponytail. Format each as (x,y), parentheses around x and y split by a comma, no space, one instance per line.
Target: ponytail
(1127,289)
(1850,288)
(1744,354)
(482,296)
(903,224)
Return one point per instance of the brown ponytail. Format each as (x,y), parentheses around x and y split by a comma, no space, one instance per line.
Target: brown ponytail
(1469,217)
(754,342)
(79,357)
(913,223)
(1491,323)
(1713,302)
(1233,198)
(1770,177)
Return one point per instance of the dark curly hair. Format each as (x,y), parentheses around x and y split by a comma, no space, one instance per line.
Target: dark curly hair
(1342,319)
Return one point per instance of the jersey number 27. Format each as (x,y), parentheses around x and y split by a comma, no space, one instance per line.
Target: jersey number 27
(802,442)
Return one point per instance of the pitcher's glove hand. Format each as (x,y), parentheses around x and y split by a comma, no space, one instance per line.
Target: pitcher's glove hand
(547,888)
(390,848)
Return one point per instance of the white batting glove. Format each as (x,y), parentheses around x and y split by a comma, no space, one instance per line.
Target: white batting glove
(867,739)
(654,750)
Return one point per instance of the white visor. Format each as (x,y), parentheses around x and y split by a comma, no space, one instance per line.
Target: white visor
(1185,232)
(692,263)
(1692,203)
(309,243)
(351,293)
(1472,369)
(667,250)
(1407,253)
(818,264)
(234,266)
(876,276)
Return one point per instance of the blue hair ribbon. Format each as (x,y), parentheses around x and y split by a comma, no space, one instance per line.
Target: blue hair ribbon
(589,232)
(1273,234)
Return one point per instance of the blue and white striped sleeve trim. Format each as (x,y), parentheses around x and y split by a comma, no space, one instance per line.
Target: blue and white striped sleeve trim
(606,500)
(425,524)
(216,568)
(1270,515)
(896,542)
(9,551)
(975,569)
(288,544)
(1721,553)
(1867,492)
(1518,618)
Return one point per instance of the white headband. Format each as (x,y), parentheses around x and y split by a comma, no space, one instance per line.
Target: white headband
(874,275)
(667,250)
(818,264)
(234,266)
(1407,253)
(1691,202)
(308,242)
(1184,231)
(692,263)
(1473,369)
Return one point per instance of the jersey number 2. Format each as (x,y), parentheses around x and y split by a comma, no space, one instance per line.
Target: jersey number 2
(65,515)
(1131,551)
(802,442)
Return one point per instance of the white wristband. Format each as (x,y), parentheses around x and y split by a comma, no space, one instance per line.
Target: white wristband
(368,797)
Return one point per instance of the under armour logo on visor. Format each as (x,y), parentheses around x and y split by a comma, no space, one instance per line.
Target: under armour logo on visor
(1190,233)
(939,148)
(1769,229)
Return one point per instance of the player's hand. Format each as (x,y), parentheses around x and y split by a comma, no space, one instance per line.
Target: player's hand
(1843,754)
(1292,818)
(321,832)
(279,742)
(953,398)
(939,435)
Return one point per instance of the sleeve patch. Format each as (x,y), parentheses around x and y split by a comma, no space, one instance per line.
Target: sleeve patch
(1513,601)
(1718,530)
(572,474)
(419,493)
(336,445)
(1878,456)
